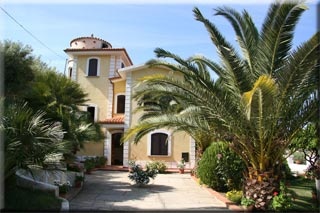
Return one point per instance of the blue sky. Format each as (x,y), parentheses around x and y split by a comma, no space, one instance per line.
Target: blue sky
(138,26)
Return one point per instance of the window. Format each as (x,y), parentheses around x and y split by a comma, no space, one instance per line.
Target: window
(91,110)
(93,67)
(122,65)
(70,72)
(159,144)
(121,103)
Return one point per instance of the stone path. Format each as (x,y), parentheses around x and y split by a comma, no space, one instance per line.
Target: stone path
(113,191)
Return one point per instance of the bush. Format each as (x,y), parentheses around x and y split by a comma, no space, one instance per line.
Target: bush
(139,176)
(220,168)
(157,165)
(100,161)
(89,164)
(235,196)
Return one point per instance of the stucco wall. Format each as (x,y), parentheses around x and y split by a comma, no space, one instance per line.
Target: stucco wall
(92,149)
(96,87)
(180,141)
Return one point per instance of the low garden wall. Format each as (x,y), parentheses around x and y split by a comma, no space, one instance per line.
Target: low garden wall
(44,179)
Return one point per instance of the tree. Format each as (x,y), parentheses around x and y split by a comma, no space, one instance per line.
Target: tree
(60,98)
(261,99)
(28,79)
(306,141)
(18,72)
(29,137)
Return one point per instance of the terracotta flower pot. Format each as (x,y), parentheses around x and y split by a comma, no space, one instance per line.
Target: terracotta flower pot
(78,184)
(248,208)
(181,171)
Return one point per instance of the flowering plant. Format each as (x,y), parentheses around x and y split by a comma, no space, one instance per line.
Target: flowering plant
(63,187)
(181,164)
(281,201)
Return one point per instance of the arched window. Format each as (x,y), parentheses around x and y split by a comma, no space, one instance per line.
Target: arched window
(93,67)
(159,144)
(121,100)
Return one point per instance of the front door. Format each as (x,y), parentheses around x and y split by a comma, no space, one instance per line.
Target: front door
(116,149)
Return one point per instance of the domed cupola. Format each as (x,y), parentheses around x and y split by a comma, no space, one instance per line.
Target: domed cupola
(89,43)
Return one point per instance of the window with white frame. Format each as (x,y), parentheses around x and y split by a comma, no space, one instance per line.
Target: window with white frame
(93,67)
(159,143)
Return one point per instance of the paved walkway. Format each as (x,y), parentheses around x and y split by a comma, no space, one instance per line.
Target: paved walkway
(113,191)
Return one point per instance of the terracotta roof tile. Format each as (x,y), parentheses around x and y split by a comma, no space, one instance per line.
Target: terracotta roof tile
(119,119)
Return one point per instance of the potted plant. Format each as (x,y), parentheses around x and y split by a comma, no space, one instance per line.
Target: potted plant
(78,181)
(100,162)
(298,157)
(247,203)
(181,166)
(89,164)
(63,187)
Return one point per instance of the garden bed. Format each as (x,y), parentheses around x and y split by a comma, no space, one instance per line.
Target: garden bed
(21,199)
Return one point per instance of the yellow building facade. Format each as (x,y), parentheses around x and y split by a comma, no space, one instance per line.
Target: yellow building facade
(108,76)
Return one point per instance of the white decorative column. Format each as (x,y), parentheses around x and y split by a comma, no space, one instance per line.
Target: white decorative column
(110,87)
(107,147)
(127,118)
(192,152)
(74,69)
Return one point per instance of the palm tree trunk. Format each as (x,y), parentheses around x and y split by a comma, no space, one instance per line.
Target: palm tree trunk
(260,187)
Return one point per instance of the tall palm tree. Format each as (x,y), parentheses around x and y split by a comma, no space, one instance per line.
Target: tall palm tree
(262,97)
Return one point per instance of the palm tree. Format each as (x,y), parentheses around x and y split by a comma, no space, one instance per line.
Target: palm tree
(261,99)
(60,98)
(29,137)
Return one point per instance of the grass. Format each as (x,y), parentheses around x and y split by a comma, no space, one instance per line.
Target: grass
(301,189)
(20,199)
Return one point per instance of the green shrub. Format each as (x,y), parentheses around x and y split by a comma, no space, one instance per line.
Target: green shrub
(141,177)
(282,200)
(235,196)
(89,164)
(157,165)
(220,168)
(100,161)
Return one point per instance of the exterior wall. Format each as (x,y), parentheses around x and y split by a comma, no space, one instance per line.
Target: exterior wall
(119,87)
(180,141)
(95,86)
(92,149)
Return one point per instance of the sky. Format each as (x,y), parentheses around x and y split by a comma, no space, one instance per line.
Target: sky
(139,26)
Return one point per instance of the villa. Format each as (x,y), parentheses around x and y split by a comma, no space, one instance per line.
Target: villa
(109,77)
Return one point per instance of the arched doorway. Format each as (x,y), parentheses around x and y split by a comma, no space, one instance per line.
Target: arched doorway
(116,149)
